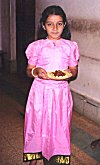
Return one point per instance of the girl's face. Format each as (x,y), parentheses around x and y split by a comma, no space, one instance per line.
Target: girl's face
(54,26)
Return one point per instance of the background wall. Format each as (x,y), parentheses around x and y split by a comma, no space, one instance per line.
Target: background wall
(0,25)
(16,31)
(8,33)
(84,20)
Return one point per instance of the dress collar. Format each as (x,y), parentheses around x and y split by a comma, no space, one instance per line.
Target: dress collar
(54,42)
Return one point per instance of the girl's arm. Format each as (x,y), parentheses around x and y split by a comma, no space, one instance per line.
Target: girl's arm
(29,70)
(74,71)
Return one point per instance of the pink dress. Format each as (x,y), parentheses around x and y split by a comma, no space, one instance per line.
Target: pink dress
(49,105)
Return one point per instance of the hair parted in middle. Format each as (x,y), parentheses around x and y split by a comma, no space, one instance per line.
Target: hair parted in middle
(53,10)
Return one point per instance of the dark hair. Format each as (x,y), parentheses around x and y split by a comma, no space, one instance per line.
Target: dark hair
(53,10)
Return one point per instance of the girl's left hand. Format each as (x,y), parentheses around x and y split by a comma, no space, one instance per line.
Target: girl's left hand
(74,71)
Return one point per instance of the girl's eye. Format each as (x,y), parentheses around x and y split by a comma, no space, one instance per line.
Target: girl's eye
(60,24)
(49,24)
(52,24)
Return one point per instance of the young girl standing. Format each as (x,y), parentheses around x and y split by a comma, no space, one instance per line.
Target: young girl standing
(49,105)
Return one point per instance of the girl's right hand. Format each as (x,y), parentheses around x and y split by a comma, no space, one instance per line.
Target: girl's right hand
(41,73)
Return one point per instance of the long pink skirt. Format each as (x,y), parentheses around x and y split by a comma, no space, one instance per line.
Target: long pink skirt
(47,118)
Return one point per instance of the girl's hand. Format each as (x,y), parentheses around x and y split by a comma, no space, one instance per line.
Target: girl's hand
(41,73)
(74,71)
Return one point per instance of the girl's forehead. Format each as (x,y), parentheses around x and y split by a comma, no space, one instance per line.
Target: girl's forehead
(53,18)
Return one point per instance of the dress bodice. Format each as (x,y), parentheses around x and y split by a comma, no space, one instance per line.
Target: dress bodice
(52,55)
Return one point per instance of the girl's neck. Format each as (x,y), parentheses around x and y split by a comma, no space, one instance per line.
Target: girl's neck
(53,39)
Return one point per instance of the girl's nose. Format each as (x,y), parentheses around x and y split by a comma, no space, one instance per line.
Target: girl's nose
(55,27)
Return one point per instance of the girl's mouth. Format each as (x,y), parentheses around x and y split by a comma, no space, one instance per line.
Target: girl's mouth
(54,32)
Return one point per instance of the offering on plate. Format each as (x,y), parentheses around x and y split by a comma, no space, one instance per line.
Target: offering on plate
(59,74)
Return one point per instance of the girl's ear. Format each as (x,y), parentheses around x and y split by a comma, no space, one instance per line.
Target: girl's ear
(43,27)
(64,24)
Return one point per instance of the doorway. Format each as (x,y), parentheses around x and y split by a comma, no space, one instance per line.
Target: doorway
(25,31)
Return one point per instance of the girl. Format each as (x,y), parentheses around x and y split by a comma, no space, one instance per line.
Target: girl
(49,106)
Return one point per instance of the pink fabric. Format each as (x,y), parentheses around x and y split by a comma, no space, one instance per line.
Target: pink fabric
(49,104)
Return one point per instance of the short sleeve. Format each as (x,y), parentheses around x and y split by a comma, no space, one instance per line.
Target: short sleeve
(74,56)
(31,54)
